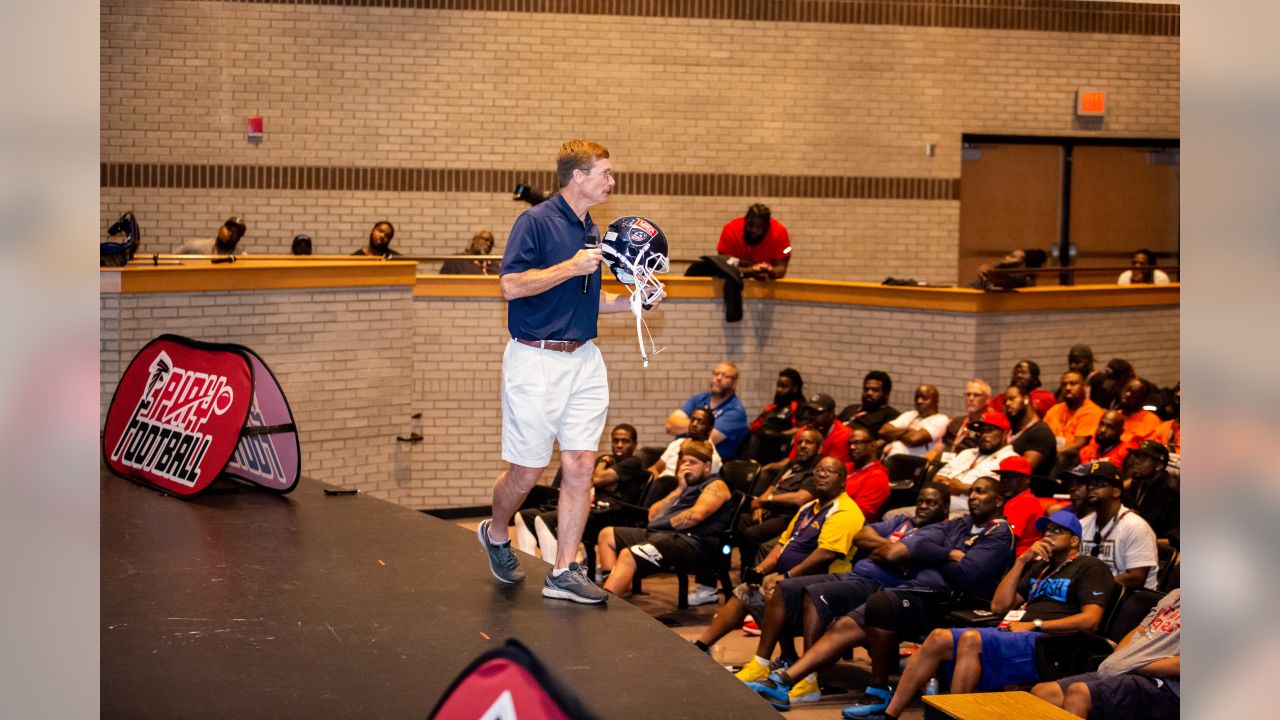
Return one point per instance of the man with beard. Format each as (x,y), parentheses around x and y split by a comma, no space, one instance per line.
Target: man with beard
(1105,386)
(1026,375)
(885,541)
(701,426)
(1149,490)
(773,428)
(1031,438)
(1051,588)
(915,431)
(817,539)
(868,481)
(1106,444)
(759,243)
(1021,507)
(1139,423)
(722,398)
(380,241)
(966,555)
(1074,421)
(980,461)
(819,413)
(791,486)
(874,410)
(1115,534)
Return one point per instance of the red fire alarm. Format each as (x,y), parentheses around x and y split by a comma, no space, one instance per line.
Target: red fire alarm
(1091,103)
(253,128)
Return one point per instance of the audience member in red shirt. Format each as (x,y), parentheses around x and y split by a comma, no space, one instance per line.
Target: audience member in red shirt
(1021,508)
(760,243)
(819,413)
(1106,443)
(1026,375)
(867,482)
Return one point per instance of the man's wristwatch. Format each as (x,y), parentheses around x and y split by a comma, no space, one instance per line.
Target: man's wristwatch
(1038,623)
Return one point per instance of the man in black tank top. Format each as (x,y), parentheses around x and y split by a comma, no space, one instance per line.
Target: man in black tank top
(682,526)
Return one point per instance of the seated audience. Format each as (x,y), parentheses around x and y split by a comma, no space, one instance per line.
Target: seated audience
(874,410)
(783,610)
(1139,423)
(683,526)
(770,432)
(915,431)
(1026,375)
(1106,444)
(616,478)
(1031,438)
(1051,588)
(1115,534)
(819,413)
(868,482)
(481,244)
(1151,492)
(380,237)
(759,243)
(1021,508)
(1105,387)
(1143,271)
(1141,679)
(791,487)
(225,242)
(1074,421)
(976,462)
(731,417)
(966,555)
(817,539)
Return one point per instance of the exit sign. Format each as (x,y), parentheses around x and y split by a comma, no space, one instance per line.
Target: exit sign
(1091,103)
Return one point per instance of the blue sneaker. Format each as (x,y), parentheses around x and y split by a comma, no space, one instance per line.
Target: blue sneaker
(870,709)
(774,691)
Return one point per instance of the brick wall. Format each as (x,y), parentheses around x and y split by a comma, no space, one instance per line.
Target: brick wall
(824,95)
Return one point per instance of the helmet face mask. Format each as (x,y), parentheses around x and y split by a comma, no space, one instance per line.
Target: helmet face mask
(636,252)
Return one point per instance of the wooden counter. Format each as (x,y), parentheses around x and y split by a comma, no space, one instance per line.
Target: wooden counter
(266,272)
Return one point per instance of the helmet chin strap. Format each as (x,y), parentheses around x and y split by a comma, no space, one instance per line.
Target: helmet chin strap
(643,276)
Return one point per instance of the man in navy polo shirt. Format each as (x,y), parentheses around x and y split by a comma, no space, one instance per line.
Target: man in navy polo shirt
(554,383)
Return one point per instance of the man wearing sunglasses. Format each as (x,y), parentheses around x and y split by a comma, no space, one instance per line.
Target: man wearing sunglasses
(1115,534)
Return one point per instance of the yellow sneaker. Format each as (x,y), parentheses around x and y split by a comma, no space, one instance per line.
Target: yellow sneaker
(752,671)
(804,691)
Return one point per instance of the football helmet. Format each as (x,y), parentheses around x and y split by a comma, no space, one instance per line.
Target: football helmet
(117,253)
(635,250)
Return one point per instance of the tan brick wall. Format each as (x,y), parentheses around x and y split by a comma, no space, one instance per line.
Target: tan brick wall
(460,89)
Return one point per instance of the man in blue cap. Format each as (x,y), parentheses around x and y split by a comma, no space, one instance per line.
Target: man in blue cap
(1051,588)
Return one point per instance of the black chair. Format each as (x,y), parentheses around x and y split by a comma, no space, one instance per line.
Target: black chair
(1169,564)
(906,475)
(739,474)
(723,542)
(1059,656)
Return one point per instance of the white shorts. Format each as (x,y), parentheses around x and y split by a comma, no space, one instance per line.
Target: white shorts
(550,395)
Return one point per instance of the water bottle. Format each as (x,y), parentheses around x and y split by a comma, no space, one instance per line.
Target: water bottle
(931,688)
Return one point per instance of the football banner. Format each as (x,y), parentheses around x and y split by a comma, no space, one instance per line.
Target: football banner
(186,412)
(508,683)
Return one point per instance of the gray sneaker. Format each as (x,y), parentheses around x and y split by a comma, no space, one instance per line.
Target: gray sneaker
(573,585)
(502,559)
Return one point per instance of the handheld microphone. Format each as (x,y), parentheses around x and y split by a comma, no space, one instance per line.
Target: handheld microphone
(591,241)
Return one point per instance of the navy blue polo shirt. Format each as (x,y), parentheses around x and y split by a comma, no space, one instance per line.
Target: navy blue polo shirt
(544,235)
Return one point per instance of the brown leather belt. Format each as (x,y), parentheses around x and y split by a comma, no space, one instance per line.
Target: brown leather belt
(567,346)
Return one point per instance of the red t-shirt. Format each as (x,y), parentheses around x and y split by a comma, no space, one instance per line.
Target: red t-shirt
(1116,457)
(775,246)
(869,487)
(835,445)
(1021,511)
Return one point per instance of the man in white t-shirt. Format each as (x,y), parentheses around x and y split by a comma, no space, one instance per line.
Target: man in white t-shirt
(1144,271)
(982,461)
(915,431)
(702,421)
(1115,534)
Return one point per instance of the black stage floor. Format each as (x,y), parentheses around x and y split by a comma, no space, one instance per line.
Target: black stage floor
(249,605)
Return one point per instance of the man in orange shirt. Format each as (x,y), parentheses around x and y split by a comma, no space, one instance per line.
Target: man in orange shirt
(1139,424)
(1106,444)
(1073,421)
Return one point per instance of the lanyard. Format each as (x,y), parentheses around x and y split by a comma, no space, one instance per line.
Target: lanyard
(1041,577)
(1099,539)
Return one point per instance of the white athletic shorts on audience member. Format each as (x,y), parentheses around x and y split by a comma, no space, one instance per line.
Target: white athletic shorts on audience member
(556,396)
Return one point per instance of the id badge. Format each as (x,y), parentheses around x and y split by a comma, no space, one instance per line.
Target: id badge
(1012,616)
(947,457)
